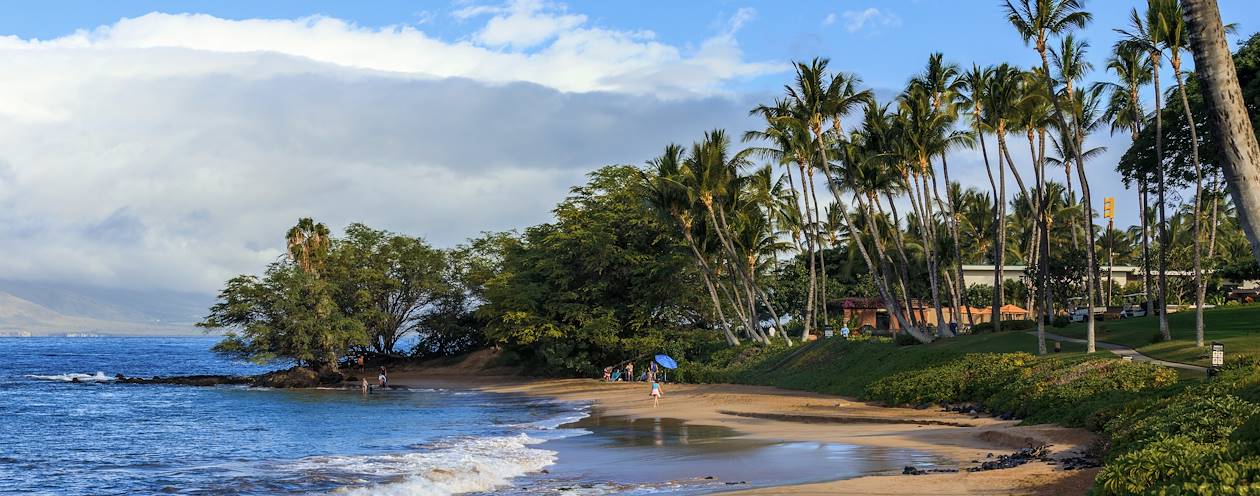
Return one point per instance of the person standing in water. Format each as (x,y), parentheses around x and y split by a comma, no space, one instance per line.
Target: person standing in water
(656,393)
(382,379)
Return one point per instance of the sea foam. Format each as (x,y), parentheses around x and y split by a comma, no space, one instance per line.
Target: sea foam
(450,467)
(71,377)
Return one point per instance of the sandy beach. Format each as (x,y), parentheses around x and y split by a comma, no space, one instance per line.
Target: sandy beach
(767,413)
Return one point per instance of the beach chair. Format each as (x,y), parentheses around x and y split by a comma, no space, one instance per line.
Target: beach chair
(616,375)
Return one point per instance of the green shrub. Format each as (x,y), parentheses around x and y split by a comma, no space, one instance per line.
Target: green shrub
(982,328)
(1060,321)
(1018,325)
(1178,465)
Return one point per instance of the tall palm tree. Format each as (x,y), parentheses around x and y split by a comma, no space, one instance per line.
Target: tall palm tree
(1240,150)
(1144,34)
(925,134)
(1035,21)
(308,244)
(789,141)
(1174,40)
(1132,68)
(665,195)
(943,82)
(1000,103)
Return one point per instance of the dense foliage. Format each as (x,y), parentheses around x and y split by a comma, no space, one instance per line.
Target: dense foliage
(603,283)
(331,297)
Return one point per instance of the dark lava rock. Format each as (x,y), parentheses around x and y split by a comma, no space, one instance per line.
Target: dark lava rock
(1019,457)
(910,470)
(296,377)
(187,380)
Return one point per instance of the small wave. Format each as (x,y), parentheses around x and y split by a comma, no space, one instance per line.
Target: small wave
(71,377)
(450,467)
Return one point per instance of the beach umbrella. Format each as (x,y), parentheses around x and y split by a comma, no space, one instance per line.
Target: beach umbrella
(666,361)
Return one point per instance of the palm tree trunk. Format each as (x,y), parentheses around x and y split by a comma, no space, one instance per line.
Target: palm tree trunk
(822,263)
(811,224)
(881,278)
(705,272)
(1160,194)
(732,260)
(999,227)
(1196,223)
(958,262)
(956,286)
(750,280)
(1214,224)
(902,271)
(929,233)
(1240,152)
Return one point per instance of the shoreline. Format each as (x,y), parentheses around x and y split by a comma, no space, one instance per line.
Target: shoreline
(780,415)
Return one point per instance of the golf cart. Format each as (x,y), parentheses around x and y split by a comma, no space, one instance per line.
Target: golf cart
(1134,305)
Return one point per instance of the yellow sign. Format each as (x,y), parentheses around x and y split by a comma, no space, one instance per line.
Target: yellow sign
(1109,207)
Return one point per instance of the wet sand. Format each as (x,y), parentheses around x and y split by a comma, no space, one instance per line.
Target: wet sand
(765,414)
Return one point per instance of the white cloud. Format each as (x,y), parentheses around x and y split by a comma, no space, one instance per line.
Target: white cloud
(871,18)
(830,19)
(565,52)
(171,151)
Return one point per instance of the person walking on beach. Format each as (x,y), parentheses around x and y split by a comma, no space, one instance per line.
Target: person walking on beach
(360,363)
(656,393)
(382,379)
(630,371)
(651,377)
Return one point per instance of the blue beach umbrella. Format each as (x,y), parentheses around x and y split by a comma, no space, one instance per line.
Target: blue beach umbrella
(666,361)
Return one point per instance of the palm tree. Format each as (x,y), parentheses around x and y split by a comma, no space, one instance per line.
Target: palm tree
(1174,40)
(1132,68)
(943,82)
(1240,152)
(1035,20)
(665,195)
(999,105)
(308,244)
(1146,35)
(789,141)
(924,133)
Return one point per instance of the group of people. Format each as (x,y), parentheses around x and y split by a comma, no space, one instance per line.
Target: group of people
(626,373)
(615,374)
(382,378)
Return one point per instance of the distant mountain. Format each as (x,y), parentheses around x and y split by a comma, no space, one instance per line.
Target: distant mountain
(52,308)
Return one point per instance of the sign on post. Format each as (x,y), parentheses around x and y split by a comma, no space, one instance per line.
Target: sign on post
(1109,207)
(1218,354)
(828,331)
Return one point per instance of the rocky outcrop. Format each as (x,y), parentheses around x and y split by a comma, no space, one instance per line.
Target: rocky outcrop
(296,377)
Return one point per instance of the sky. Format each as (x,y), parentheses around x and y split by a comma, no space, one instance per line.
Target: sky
(169,145)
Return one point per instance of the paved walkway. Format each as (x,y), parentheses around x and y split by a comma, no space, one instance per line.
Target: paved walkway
(1126,351)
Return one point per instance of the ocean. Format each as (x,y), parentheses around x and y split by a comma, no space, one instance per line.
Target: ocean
(67,428)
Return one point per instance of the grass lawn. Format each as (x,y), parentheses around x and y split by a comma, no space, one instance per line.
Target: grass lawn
(839,367)
(1238,327)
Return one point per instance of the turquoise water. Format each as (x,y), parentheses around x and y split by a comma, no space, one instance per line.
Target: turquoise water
(67,428)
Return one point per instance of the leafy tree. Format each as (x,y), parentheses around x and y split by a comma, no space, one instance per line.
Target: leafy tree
(601,284)
(288,314)
(386,281)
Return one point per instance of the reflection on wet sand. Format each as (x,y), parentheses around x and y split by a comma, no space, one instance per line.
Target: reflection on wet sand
(656,453)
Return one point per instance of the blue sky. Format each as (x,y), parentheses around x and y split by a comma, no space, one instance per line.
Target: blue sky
(169,144)
(885,48)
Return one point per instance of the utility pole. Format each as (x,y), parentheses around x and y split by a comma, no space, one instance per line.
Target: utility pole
(1109,211)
